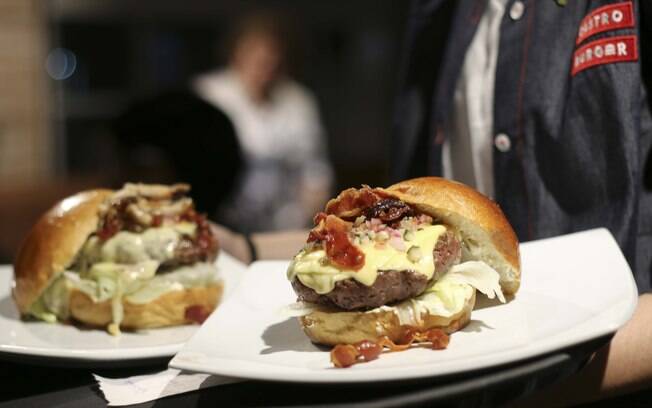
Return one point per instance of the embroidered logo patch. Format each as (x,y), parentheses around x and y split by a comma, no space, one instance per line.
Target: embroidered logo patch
(605,51)
(611,17)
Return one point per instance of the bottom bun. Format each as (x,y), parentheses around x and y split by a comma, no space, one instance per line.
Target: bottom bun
(166,310)
(332,328)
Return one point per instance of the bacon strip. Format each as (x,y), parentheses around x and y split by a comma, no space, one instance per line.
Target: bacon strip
(345,355)
(390,211)
(137,207)
(351,202)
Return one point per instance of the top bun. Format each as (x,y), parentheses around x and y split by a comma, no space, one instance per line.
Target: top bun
(53,243)
(485,231)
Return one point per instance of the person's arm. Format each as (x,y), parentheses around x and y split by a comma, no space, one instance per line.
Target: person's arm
(268,245)
(314,167)
(624,365)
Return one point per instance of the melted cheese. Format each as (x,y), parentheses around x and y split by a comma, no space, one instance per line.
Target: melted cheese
(129,247)
(55,299)
(315,271)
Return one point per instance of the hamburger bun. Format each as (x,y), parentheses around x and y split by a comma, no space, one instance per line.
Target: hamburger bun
(333,328)
(166,310)
(52,244)
(481,223)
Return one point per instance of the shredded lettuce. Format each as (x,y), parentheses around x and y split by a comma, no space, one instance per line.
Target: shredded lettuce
(109,281)
(40,311)
(479,275)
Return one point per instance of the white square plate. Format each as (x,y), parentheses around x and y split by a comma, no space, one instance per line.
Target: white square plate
(574,288)
(45,341)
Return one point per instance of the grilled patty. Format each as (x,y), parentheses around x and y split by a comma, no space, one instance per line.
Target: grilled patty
(390,286)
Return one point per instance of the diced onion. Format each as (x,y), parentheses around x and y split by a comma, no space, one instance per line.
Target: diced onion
(397,243)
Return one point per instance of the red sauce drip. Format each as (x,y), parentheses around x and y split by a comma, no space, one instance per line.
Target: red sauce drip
(110,227)
(339,248)
(334,233)
(369,350)
(197,313)
(345,355)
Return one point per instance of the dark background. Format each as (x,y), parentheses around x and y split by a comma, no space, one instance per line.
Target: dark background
(347,53)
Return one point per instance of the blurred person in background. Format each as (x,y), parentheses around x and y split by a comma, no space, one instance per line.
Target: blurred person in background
(288,175)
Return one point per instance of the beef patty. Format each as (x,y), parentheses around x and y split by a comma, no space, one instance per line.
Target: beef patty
(390,286)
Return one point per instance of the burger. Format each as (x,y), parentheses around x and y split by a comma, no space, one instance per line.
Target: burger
(383,268)
(136,258)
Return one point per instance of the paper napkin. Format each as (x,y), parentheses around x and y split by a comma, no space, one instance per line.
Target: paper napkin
(143,388)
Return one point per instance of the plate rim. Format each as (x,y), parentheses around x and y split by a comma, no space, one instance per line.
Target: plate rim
(100,355)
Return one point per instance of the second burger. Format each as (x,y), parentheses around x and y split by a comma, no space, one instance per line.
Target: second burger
(136,258)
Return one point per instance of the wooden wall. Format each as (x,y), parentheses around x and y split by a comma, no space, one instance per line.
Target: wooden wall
(26,151)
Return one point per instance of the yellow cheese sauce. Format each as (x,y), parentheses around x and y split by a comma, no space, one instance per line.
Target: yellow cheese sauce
(314,270)
(129,247)
(114,282)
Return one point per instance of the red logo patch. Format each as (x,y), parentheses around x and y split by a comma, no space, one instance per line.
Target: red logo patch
(611,17)
(604,51)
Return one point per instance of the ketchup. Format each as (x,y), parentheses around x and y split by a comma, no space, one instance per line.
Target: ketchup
(197,313)
(334,233)
(345,355)
(110,227)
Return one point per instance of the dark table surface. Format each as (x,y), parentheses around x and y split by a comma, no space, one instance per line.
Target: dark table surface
(25,384)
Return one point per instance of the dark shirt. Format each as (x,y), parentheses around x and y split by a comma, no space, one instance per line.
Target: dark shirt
(579,142)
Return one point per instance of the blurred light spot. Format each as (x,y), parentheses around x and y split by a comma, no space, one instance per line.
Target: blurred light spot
(68,204)
(61,63)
